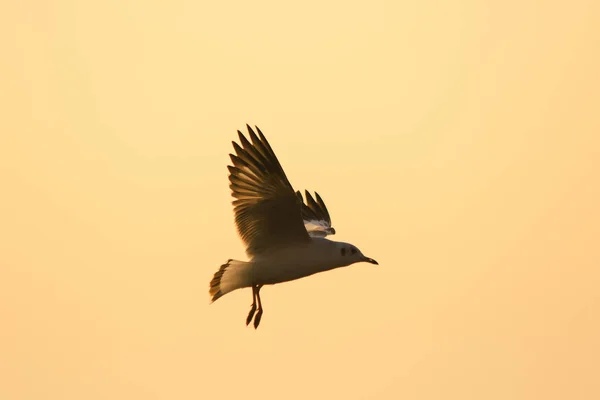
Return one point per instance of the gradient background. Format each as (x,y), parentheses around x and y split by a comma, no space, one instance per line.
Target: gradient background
(457,144)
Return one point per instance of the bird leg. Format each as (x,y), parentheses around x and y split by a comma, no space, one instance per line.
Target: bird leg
(253,307)
(260,309)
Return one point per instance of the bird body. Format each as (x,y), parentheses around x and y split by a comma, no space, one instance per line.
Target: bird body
(288,264)
(295,262)
(285,236)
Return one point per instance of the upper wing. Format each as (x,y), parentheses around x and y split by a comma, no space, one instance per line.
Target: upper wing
(315,215)
(267,212)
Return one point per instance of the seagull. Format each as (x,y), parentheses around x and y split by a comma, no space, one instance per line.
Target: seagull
(285,236)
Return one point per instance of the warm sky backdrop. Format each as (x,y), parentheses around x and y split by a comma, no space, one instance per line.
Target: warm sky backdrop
(455,142)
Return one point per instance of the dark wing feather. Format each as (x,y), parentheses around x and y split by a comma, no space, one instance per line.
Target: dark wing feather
(315,215)
(267,212)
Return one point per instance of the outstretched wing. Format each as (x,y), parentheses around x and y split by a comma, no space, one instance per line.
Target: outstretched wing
(267,212)
(315,215)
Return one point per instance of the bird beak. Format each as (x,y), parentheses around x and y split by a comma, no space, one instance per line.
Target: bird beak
(370,261)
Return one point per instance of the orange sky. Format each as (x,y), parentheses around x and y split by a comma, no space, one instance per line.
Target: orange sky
(455,143)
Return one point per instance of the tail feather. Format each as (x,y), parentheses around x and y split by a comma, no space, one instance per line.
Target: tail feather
(232,275)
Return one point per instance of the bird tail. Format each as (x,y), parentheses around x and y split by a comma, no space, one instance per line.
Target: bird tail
(232,275)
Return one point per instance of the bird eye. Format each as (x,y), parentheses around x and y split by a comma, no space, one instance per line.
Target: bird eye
(353,250)
(343,251)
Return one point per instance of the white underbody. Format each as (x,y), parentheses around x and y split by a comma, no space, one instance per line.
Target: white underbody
(297,261)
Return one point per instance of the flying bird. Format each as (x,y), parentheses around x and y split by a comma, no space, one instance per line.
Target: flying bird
(285,236)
